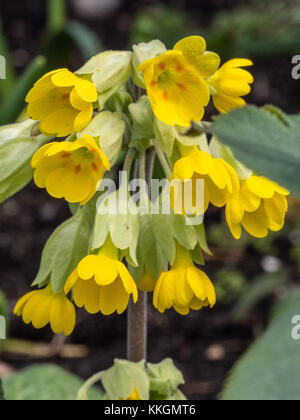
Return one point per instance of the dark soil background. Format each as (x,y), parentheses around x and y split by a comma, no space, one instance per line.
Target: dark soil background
(204,345)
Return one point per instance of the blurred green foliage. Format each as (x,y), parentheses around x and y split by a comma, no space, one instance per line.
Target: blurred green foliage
(257,28)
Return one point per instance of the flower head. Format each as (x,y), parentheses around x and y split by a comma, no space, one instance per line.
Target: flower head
(175,81)
(42,307)
(184,287)
(220,179)
(259,206)
(70,170)
(63,102)
(101,283)
(230,83)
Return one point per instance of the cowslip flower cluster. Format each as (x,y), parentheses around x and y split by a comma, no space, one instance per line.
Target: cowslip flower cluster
(85,142)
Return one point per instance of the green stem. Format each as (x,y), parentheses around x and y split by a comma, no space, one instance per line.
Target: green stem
(129,159)
(57,15)
(163,160)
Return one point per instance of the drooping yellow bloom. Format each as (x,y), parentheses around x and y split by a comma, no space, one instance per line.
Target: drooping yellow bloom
(184,287)
(70,170)
(101,283)
(231,83)
(219,178)
(175,81)
(62,102)
(259,206)
(42,307)
(147,283)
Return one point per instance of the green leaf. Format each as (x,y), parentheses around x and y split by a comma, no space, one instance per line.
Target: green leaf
(143,121)
(110,128)
(165,135)
(17,148)
(260,288)
(264,143)
(64,250)
(183,233)
(2,398)
(86,40)
(123,226)
(45,383)
(165,378)
(220,151)
(143,52)
(120,380)
(156,248)
(270,371)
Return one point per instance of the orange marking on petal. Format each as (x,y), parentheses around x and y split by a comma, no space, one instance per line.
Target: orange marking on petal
(95,167)
(162,66)
(65,155)
(77,169)
(153,83)
(65,96)
(165,96)
(180,86)
(180,67)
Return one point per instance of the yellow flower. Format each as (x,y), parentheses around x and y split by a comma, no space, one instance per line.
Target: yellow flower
(184,287)
(70,170)
(220,179)
(230,83)
(175,81)
(42,307)
(147,283)
(62,102)
(101,283)
(134,396)
(259,206)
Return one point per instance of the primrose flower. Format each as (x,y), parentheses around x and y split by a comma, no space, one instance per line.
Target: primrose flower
(258,207)
(101,283)
(184,287)
(70,170)
(230,83)
(220,179)
(42,307)
(147,283)
(62,102)
(175,81)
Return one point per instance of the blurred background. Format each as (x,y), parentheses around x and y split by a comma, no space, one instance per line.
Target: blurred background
(250,275)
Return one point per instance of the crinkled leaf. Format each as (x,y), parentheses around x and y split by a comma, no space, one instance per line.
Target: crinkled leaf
(123,228)
(143,123)
(64,250)
(264,143)
(270,370)
(45,383)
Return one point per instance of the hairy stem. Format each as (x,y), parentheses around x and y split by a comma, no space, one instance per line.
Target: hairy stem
(137,313)
(163,160)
